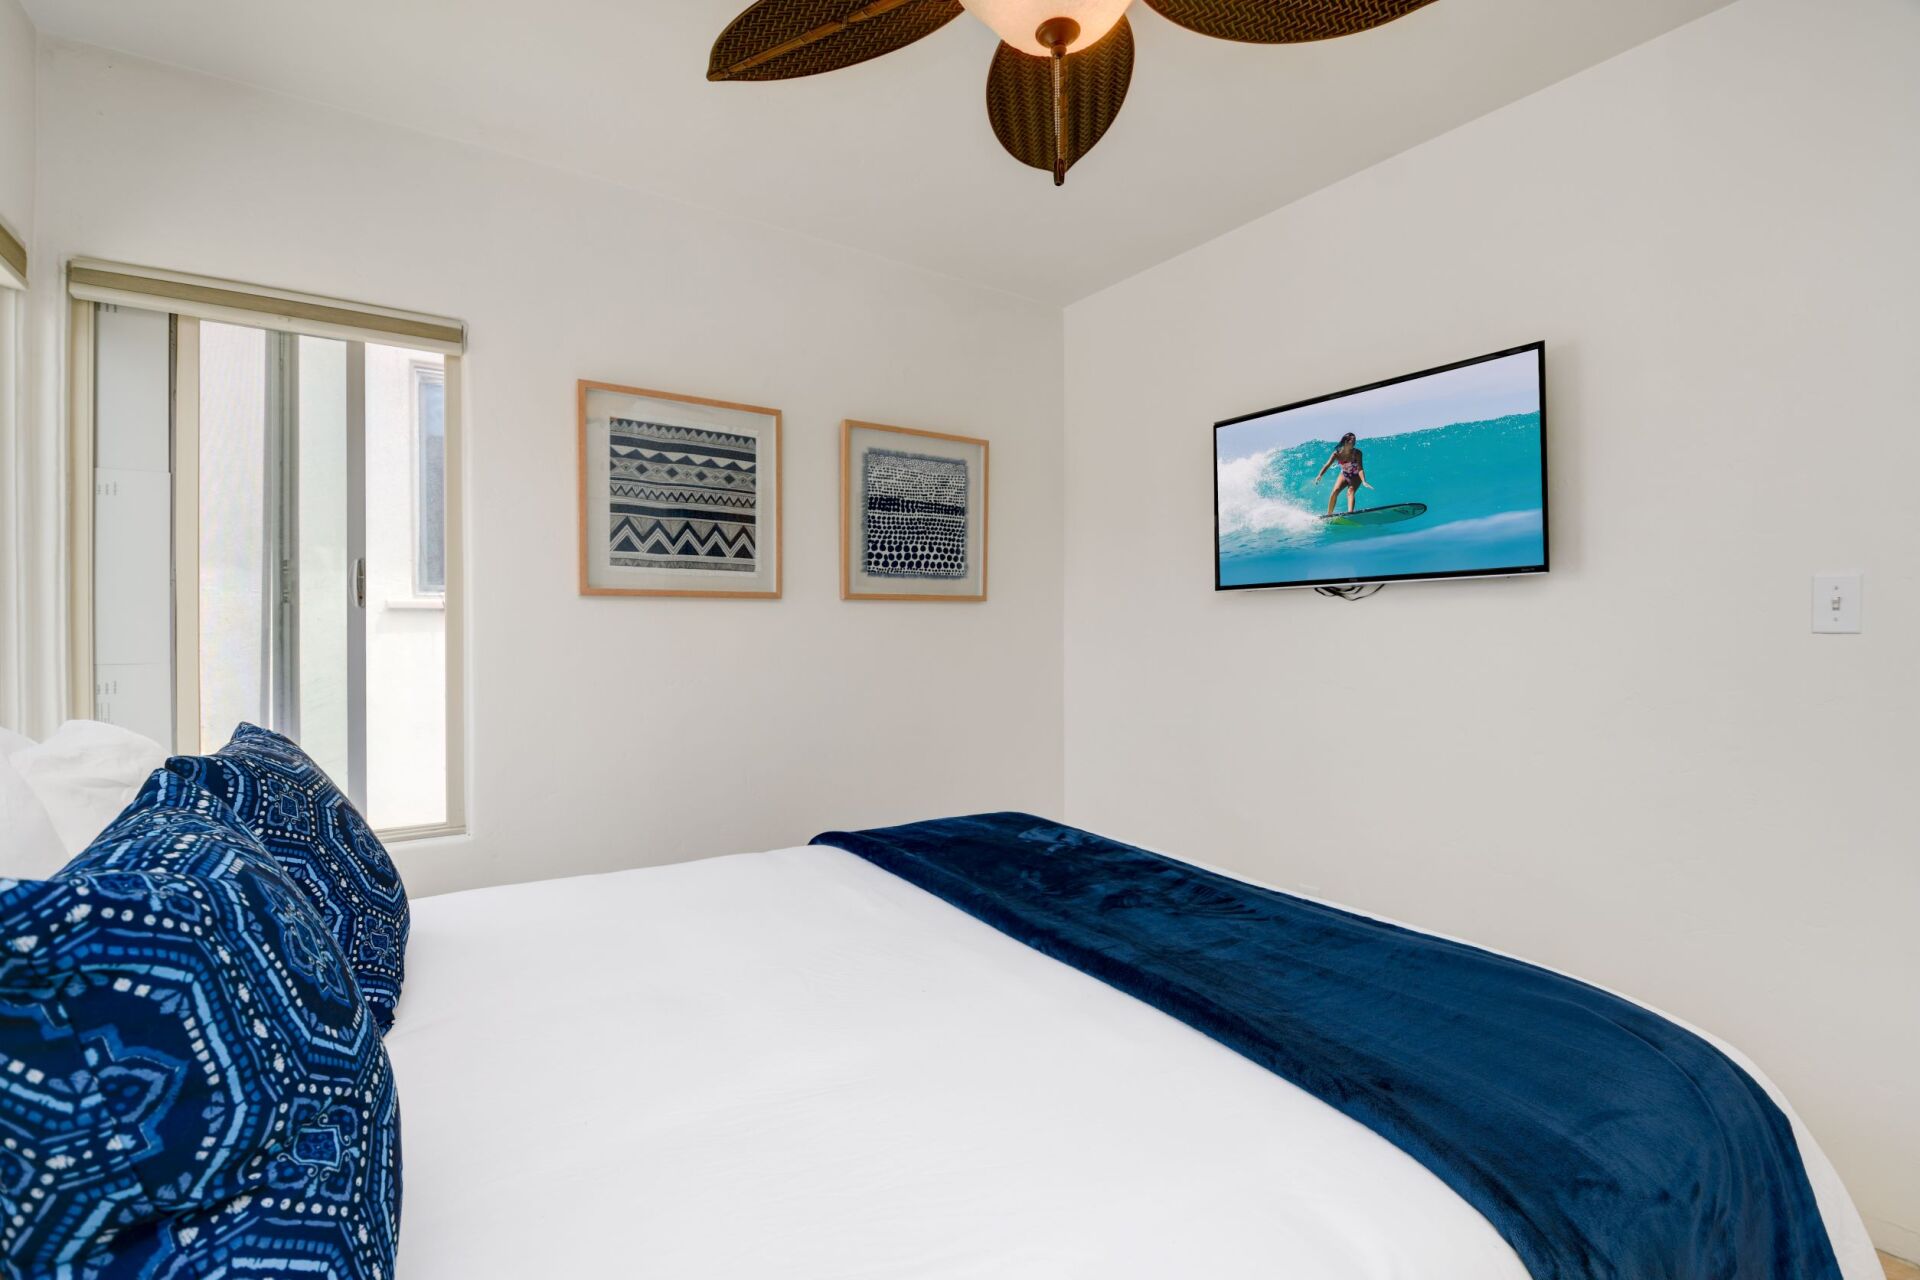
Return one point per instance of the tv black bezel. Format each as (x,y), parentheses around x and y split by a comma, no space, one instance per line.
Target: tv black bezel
(1546,524)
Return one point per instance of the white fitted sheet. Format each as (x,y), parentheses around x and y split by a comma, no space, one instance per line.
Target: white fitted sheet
(793,1064)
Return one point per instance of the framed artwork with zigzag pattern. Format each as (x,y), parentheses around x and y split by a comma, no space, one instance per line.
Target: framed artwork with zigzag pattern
(679,495)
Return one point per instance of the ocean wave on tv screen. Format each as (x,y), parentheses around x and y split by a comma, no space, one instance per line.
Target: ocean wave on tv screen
(1479,482)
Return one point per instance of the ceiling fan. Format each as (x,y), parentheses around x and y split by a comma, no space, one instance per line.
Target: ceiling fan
(1061,71)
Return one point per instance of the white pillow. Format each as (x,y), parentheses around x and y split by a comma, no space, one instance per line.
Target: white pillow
(29,847)
(11,742)
(85,774)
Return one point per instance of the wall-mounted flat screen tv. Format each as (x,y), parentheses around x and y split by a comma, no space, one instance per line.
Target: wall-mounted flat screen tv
(1440,474)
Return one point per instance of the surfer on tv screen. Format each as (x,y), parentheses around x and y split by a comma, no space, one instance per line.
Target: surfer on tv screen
(1347,456)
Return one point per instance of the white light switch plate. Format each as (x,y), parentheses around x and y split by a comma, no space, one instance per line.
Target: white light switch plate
(1836,602)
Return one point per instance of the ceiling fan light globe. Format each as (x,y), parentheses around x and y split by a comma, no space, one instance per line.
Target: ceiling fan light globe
(1016,22)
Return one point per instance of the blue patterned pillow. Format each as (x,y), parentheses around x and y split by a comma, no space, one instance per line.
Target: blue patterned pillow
(190,1085)
(323,843)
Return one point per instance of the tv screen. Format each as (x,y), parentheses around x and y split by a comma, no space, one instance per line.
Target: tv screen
(1441,474)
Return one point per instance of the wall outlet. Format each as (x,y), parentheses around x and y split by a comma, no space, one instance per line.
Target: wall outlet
(1836,603)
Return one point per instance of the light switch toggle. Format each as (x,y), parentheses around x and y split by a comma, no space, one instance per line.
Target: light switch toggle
(1836,603)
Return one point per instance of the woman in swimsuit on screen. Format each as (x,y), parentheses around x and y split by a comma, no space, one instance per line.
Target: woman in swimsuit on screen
(1346,455)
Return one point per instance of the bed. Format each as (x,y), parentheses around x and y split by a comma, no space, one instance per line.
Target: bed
(989,1045)
(794,1063)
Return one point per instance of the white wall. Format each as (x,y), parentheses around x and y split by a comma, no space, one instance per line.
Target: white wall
(1642,768)
(619,732)
(16,119)
(17,64)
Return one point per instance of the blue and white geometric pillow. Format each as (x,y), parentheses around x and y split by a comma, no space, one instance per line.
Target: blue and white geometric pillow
(190,1085)
(323,844)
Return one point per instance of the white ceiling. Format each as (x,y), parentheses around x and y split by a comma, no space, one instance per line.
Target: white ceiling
(895,155)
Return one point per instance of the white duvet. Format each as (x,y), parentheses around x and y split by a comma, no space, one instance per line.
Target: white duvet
(795,1065)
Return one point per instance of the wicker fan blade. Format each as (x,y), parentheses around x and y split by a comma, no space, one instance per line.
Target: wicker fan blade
(1282,21)
(1020,100)
(781,39)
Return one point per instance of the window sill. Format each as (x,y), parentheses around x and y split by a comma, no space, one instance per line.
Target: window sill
(418,602)
(402,835)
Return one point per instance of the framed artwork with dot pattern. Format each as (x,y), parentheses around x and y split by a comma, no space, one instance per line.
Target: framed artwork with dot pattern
(913,514)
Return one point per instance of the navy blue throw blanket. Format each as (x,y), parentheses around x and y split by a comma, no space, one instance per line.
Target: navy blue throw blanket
(1601,1140)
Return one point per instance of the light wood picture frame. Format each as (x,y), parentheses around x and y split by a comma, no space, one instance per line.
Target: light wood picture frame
(679,495)
(914,514)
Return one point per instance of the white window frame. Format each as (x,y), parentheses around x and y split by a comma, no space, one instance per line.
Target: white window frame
(420,372)
(190,299)
(14,505)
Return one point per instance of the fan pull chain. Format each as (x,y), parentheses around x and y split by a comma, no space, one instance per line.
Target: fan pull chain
(1057,34)
(1059,119)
